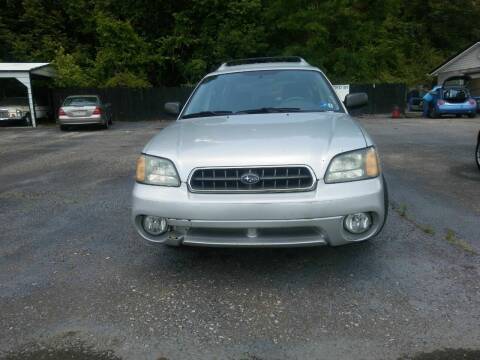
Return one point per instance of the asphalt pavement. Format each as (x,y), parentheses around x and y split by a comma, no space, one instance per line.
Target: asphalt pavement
(77,282)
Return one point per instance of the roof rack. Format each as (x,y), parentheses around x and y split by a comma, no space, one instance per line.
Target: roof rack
(265,60)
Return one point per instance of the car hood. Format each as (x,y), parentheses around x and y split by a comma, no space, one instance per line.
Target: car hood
(265,139)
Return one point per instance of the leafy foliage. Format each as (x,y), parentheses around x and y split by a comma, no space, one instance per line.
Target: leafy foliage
(141,43)
(69,73)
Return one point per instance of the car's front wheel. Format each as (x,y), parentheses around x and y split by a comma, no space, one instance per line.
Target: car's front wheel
(471,116)
(386,201)
(477,151)
(27,119)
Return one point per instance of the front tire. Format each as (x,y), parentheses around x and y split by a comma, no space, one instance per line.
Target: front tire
(471,116)
(477,152)
(63,127)
(28,120)
(386,201)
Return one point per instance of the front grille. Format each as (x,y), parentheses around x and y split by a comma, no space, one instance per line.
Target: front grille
(252,179)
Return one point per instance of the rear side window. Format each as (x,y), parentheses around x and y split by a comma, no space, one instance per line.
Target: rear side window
(81,101)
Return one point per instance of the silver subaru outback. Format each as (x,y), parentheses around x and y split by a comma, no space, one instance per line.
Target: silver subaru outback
(262,154)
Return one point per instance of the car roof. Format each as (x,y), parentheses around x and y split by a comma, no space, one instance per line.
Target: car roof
(264,63)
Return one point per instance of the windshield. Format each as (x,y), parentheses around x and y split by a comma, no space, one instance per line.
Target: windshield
(262,92)
(81,101)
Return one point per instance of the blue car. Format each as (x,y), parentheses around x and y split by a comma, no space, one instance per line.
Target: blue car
(452,98)
(477,151)
(477,99)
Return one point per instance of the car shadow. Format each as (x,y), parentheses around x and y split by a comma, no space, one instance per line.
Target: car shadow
(281,264)
(13,123)
(85,128)
(446,354)
(468,171)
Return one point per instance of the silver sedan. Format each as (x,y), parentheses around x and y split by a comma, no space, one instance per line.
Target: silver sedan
(84,110)
(262,154)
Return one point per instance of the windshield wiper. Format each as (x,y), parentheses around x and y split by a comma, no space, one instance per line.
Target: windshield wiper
(266,110)
(206,113)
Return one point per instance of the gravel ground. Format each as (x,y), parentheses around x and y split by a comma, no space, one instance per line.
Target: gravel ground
(76,281)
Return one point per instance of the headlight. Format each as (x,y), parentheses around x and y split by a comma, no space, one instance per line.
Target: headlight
(156,171)
(353,165)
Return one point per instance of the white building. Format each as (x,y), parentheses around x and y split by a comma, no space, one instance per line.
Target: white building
(466,62)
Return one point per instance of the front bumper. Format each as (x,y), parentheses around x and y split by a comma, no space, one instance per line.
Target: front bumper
(267,220)
(11,118)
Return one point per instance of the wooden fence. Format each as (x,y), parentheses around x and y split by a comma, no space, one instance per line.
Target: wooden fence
(148,104)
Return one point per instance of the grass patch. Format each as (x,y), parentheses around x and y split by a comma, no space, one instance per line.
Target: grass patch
(452,238)
(427,229)
(402,210)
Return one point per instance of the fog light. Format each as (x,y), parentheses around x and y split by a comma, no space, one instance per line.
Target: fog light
(358,223)
(154,225)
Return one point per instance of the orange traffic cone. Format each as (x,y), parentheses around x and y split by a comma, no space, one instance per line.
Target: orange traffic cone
(396,114)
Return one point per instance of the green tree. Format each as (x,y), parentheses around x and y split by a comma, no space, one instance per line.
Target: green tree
(40,32)
(122,54)
(69,73)
(139,43)
(211,31)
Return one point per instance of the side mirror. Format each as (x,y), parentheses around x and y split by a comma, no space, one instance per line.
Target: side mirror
(355,100)
(172,108)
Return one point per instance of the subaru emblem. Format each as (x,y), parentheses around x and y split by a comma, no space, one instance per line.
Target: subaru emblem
(249,178)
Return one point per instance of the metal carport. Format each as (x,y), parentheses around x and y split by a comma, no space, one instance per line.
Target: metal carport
(23,73)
